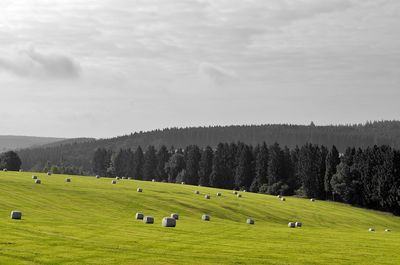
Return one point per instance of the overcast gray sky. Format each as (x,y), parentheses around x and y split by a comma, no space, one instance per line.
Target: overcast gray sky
(104,68)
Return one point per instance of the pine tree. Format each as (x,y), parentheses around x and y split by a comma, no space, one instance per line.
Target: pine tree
(261,168)
(205,166)
(138,163)
(150,163)
(332,161)
(244,172)
(192,165)
(162,158)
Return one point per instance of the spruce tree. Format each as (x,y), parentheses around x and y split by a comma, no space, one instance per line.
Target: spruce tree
(138,163)
(206,166)
(150,163)
(162,158)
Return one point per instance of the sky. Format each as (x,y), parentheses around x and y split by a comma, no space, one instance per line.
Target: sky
(102,68)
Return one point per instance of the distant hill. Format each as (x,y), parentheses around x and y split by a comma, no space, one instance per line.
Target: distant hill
(11,142)
(79,154)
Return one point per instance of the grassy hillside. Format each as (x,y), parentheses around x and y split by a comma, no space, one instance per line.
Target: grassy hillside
(90,221)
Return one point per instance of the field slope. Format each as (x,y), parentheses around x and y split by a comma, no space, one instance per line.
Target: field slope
(90,221)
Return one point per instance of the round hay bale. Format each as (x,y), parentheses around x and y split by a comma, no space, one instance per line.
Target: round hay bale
(148,220)
(183,183)
(244,191)
(38,181)
(139,190)
(117,178)
(113,182)
(196,192)
(219,194)
(207,196)
(371,229)
(298,224)
(139,216)
(68,180)
(5,169)
(279,196)
(175,216)
(34,177)
(239,195)
(21,170)
(250,221)
(153,180)
(205,217)
(16,215)
(388,230)
(97,176)
(283,199)
(49,173)
(312,200)
(129,178)
(168,222)
(292,225)
(235,192)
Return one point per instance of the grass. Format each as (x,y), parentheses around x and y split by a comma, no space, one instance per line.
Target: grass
(91,221)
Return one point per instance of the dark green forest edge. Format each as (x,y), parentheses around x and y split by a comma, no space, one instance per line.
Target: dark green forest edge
(366,174)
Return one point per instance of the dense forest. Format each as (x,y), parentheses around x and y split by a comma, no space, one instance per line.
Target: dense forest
(363,177)
(77,155)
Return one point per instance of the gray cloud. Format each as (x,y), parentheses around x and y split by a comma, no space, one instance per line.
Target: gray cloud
(32,63)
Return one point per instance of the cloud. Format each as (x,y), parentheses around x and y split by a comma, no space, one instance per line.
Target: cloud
(216,73)
(35,64)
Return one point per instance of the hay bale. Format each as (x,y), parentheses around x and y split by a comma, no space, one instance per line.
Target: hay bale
(113,182)
(312,200)
(97,176)
(196,192)
(239,195)
(38,181)
(219,194)
(67,180)
(21,170)
(292,225)
(34,177)
(168,222)
(148,220)
(371,229)
(139,190)
(153,180)
(207,196)
(279,196)
(298,224)
(205,217)
(117,178)
(283,199)
(235,192)
(388,230)
(16,215)
(139,216)
(5,169)
(175,216)
(129,178)
(244,191)
(49,173)
(183,183)
(250,221)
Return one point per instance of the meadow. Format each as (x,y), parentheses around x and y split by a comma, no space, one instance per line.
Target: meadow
(91,221)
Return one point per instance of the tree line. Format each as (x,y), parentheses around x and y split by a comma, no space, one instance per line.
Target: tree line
(368,177)
(78,153)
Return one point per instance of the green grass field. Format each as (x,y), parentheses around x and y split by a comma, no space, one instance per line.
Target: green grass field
(91,221)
